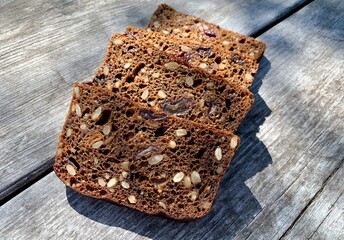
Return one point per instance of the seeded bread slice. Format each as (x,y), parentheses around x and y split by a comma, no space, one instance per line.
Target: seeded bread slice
(210,58)
(113,149)
(154,79)
(167,20)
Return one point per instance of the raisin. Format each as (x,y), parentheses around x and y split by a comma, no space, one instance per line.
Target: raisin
(147,114)
(179,107)
(209,33)
(237,59)
(204,51)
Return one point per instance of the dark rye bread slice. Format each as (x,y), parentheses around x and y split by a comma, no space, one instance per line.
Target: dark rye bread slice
(153,79)
(210,58)
(167,20)
(112,149)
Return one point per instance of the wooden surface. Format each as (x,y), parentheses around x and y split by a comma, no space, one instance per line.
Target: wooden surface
(45,46)
(286,180)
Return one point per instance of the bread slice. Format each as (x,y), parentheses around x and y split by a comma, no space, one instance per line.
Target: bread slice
(154,79)
(167,20)
(113,149)
(210,58)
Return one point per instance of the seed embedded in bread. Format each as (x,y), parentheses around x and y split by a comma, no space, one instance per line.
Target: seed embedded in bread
(181,132)
(101,182)
(218,153)
(112,182)
(195,178)
(70,169)
(178,177)
(155,159)
(132,199)
(97,144)
(96,113)
(125,185)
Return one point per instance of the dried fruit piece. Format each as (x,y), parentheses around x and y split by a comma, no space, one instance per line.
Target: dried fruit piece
(179,107)
(147,114)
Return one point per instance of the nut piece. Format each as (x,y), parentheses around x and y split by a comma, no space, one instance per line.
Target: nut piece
(171,65)
(106,70)
(189,81)
(97,144)
(178,177)
(149,50)
(156,75)
(117,42)
(77,92)
(225,43)
(248,77)
(163,205)
(127,65)
(78,110)
(193,196)
(83,126)
(125,174)
(155,159)
(195,178)
(132,199)
(70,169)
(101,182)
(218,153)
(162,94)
(187,182)
(203,65)
(176,30)
(165,32)
(156,24)
(96,113)
(107,129)
(219,170)
(172,144)
(112,182)
(185,48)
(181,132)
(69,132)
(125,166)
(145,94)
(222,66)
(234,142)
(206,205)
(125,185)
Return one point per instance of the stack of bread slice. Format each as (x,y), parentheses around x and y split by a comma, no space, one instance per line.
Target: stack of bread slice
(155,129)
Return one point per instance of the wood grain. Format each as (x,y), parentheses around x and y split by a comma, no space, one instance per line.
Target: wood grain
(324,218)
(45,46)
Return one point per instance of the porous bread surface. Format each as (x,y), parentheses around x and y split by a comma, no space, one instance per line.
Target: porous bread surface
(110,148)
(153,79)
(208,57)
(167,20)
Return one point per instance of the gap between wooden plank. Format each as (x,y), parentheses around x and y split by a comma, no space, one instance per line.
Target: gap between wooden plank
(280,18)
(43,170)
(313,199)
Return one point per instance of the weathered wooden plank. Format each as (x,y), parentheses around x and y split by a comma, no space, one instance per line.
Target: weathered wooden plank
(324,218)
(45,46)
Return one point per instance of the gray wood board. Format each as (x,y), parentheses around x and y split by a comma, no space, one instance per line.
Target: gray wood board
(46,46)
(292,148)
(324,218)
